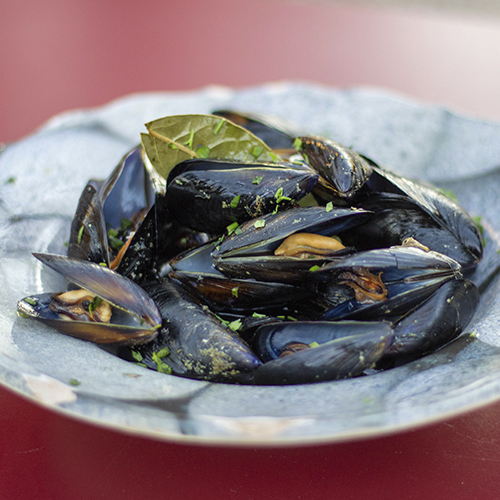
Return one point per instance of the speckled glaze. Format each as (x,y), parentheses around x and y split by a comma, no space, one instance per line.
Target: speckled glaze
(42,176)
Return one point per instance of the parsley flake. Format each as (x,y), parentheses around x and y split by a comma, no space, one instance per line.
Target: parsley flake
(203,151)
(235,325)
(232,228)
(136,355)
(80,234)
(256,151)
(257,315)
(235,201)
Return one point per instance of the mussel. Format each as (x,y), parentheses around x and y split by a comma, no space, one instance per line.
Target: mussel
(315,268)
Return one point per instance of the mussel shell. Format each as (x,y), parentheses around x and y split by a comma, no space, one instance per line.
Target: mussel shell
(88,235)
(107,284)
(121,331)
(397,217)
(139,259)
(343,171)
(263,235)
(128,189)
(341,358)
(200,346)
(272,339)
(237,295)
(250,253)
(103,204)
(440,319)
(195,269)
(208,195)
(442,209)
(409,274)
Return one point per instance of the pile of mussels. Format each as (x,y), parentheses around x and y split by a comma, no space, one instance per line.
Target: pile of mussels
(308,263)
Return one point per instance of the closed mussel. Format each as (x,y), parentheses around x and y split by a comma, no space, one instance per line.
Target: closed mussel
(342,171)
(193,342)
(208,195)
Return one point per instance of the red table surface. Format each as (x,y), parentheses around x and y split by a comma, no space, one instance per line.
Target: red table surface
(58,55)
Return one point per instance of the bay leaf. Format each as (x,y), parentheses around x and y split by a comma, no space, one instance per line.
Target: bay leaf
(173,139)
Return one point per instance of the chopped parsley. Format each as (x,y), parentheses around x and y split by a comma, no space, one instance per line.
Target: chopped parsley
(161,366)
(279,196)
(235,325)
(258,316)
(94,305)
(203,151)
(235,201)
(136,355)
(80,235)
(256,151)
(257,179)
(232,228)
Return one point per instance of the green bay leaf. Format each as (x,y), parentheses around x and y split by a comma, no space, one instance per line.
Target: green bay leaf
(173,139)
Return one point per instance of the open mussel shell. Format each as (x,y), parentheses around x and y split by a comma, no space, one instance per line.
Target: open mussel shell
(208,195)
(342,171)
(274,132)
(249,252)
(408,273)
(88,235)
(440,319)
(123,330)
(125,194)
(107,284)
(263,235)
(193,342)
(141,250)
(343,357)
(273,340)
(464,238)
(128,189)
